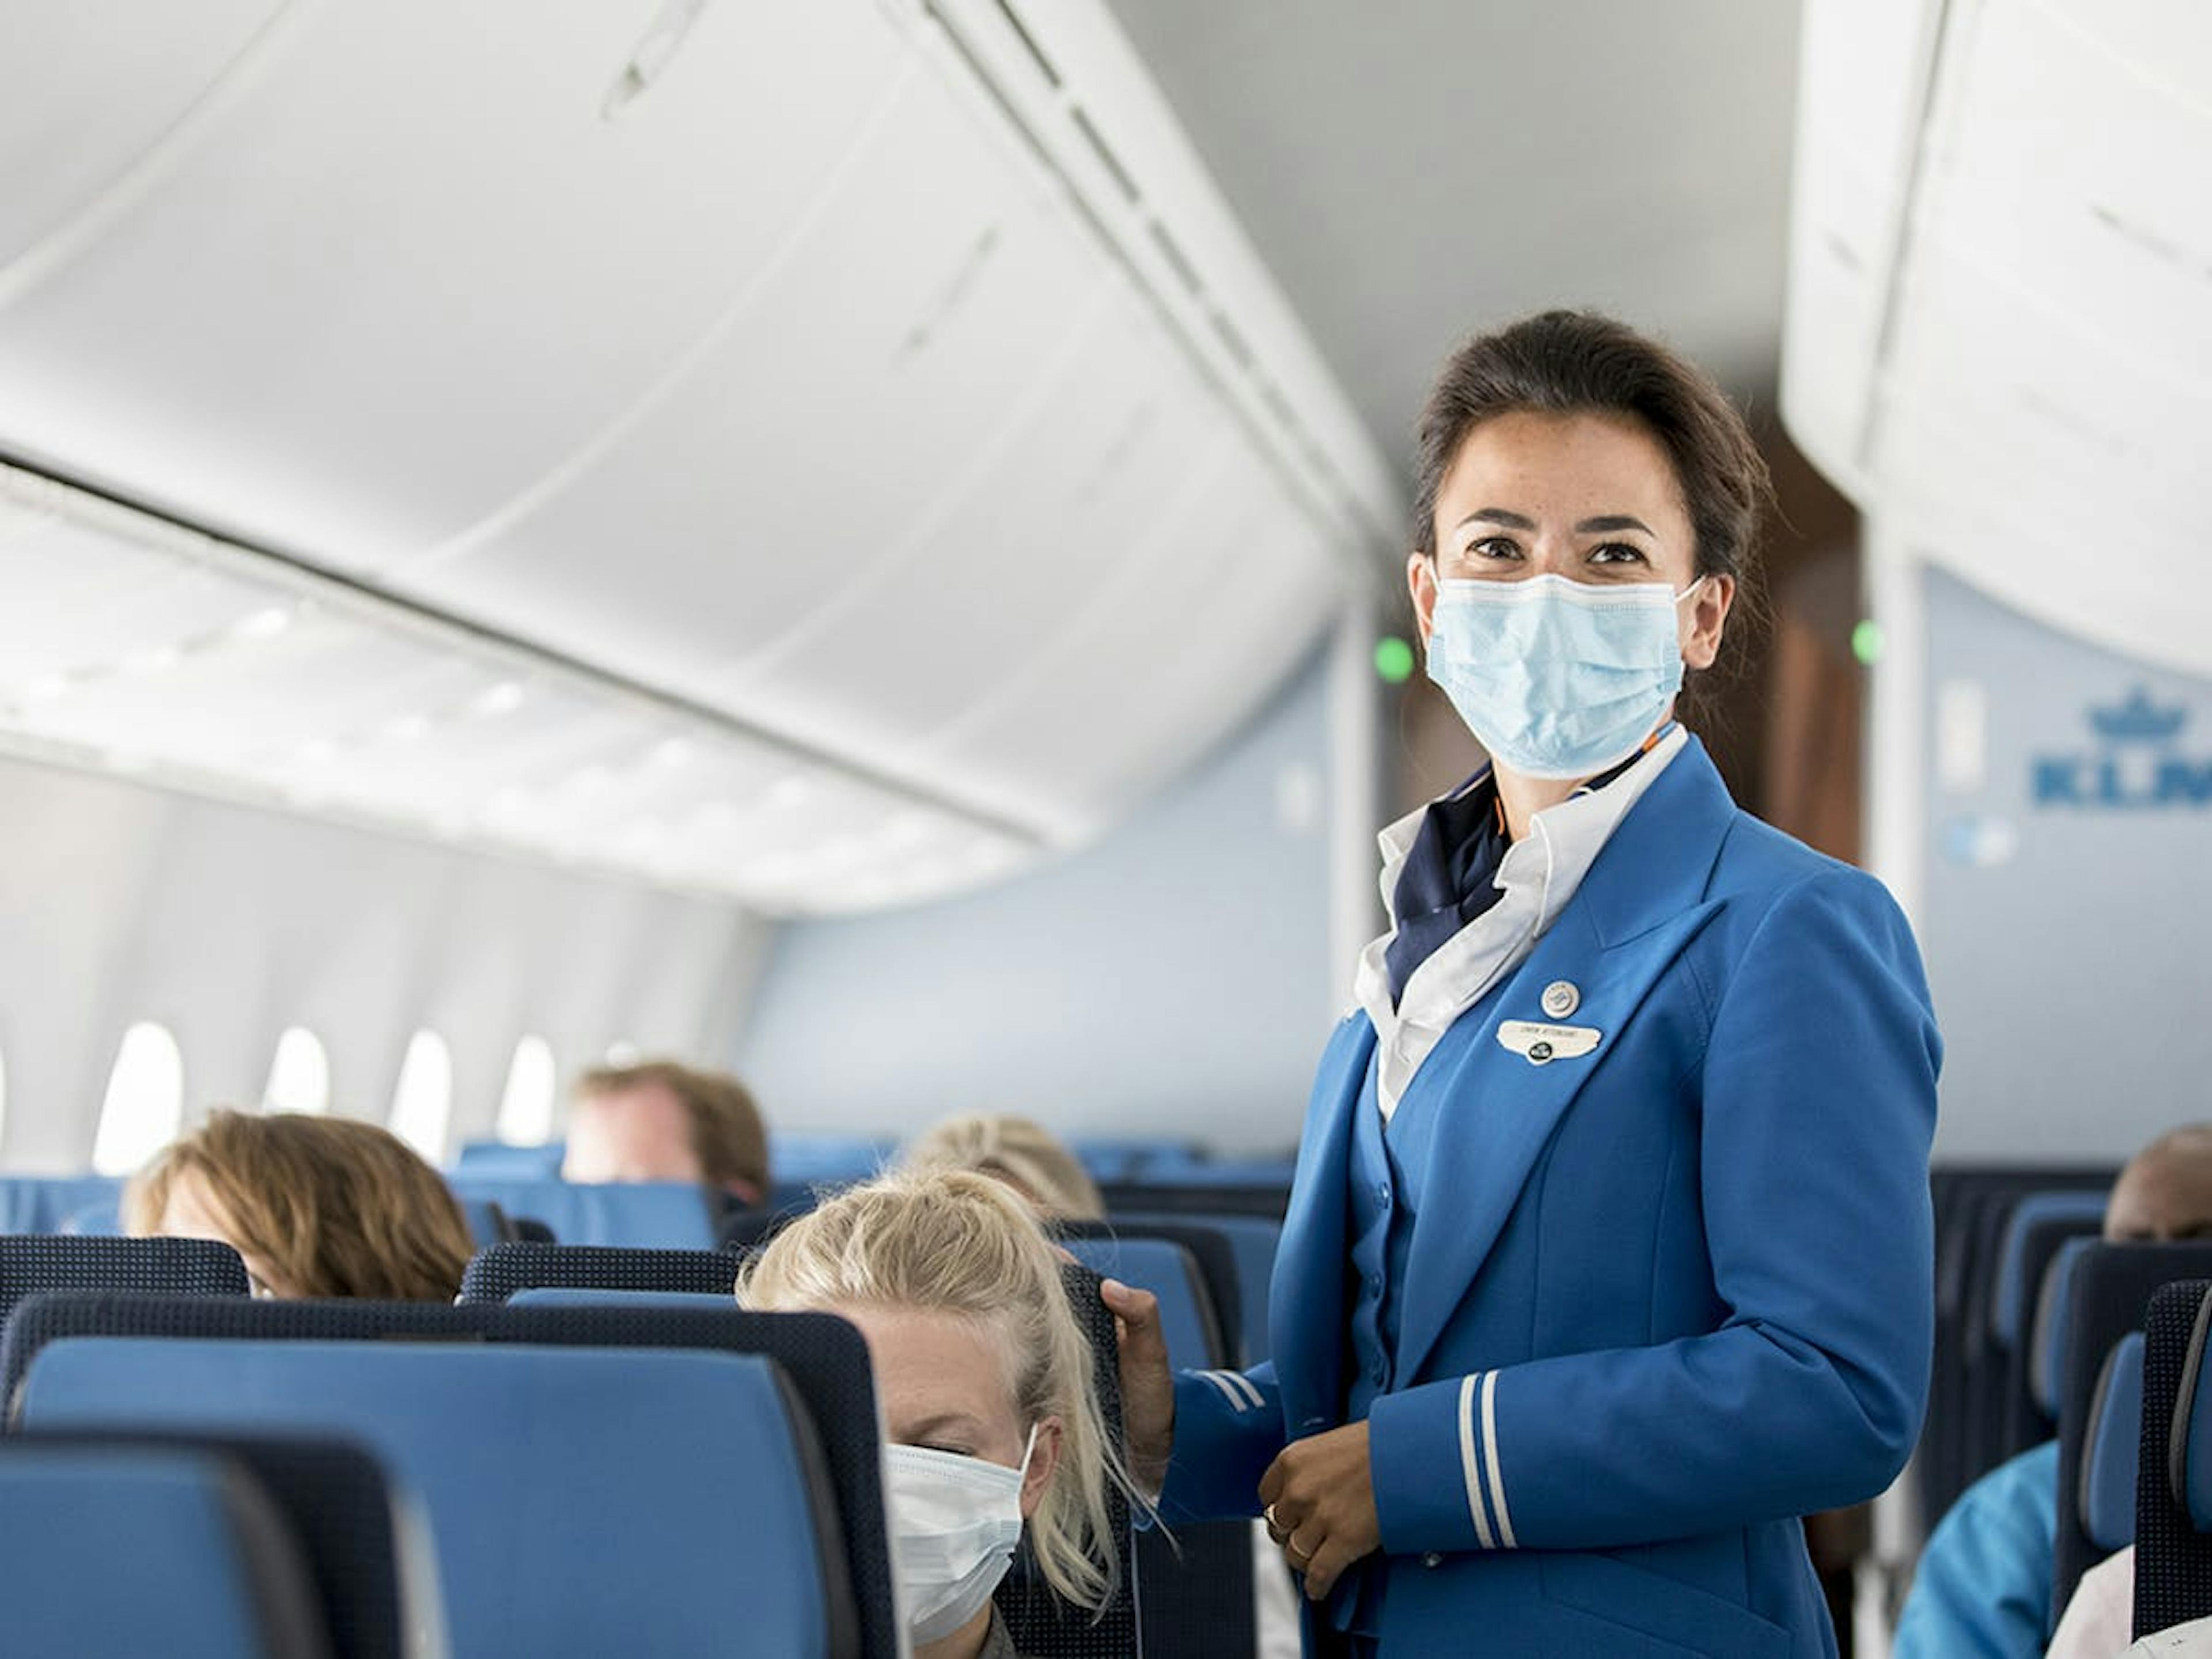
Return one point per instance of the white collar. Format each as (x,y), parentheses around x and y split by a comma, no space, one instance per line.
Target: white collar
(1537,878)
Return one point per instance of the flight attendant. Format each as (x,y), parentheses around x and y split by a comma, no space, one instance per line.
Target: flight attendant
(1609,1255)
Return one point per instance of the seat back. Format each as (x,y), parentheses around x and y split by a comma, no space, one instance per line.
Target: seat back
(1040,1625)
(130,1549)
(823,1357)
(655,1214)
(1193,1330)
(586,1501)
(1253,1240)
(2097,1294)
(170,1267)
(2173,1482)
(498,1161)
(360,1532)
(1211,1259)
(2040,1225)
(41,1204)
(1266,1199)
(2104,1496)
(497,1273)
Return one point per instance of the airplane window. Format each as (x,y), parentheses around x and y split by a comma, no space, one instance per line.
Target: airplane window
(299,1076)
(424,1099)
(145,1104)
(526,1111)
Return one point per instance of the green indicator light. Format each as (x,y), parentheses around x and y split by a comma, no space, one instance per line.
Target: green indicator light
(1394,659)
(1867,642)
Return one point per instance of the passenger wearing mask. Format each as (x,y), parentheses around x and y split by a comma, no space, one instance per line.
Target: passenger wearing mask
(985,1381)
(1023,1154)
(317,1206)
(1982,1585)
(1017,1151)
(660,1121)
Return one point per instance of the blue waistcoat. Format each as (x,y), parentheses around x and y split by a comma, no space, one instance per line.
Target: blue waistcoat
(1640,1307)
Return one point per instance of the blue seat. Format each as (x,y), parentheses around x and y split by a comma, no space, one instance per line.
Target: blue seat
(2173,1485)
(143,1549)
(497,1272)
(500,1162)
(821,1160)
(2106,1494)
(1253,1242)
(173,1266)
(599,1296)
(823,1357)
(2098,1294)
(665,1214)
(581,1497)
(41,1204)
(2020,1277)
(487,1222)
(1193,1334)
(361,1531)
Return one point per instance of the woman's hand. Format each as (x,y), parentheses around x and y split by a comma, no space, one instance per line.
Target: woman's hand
(1148,1388)
(1319,1500)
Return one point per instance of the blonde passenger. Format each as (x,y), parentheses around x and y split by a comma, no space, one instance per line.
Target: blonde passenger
(986,1383)
(318,1206)
(1017,1151)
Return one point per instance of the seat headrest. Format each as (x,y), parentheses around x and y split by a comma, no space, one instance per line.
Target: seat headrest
(2189,1439)
(2054,1310)
(2110,1448)
(2014,1304)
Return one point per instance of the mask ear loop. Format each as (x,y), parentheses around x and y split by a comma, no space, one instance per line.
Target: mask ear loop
(1693,588)
(1027,1450)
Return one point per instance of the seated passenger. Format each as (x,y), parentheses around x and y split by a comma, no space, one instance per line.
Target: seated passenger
(659,1120)
(985,1383)
(1017,1151)
(318,1206)
(1984,1584)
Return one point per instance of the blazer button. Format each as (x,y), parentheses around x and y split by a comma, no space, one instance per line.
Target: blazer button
(1433,1559)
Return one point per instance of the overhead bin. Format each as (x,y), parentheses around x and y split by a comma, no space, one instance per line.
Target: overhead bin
(871,404)
(2000,321)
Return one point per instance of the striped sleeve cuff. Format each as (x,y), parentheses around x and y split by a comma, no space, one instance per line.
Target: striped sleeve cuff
(1415,1437)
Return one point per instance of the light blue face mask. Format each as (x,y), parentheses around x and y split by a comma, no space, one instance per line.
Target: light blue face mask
(1558,678)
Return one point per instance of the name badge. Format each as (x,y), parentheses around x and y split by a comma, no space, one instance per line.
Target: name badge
(1540,1044)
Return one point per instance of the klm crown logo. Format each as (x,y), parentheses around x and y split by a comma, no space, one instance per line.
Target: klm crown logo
(2134,767)
(2138,720)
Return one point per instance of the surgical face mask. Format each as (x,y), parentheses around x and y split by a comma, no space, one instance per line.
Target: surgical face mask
(1558,678)
(955,1522)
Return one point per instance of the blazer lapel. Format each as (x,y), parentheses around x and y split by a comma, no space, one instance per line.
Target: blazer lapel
(1305,1312)
(1636,909)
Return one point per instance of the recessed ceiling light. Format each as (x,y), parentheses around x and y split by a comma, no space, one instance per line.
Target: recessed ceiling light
(47,687)
(501,699)
(319,751)
(672,751)
(408,728)
(793,791)
(264,624)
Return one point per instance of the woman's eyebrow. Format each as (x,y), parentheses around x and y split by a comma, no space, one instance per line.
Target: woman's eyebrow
(1498,515)
(923,1428)
(1607,521)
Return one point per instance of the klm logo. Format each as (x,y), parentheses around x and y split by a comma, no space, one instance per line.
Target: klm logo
(2136,765)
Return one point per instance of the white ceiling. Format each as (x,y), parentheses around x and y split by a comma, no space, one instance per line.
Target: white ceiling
(1415,170)
(2000,320)
(772,359)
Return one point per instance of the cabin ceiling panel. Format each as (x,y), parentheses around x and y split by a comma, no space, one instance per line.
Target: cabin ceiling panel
(2025,369)
(405,321)
(918,327)
(86,101)
(777,384)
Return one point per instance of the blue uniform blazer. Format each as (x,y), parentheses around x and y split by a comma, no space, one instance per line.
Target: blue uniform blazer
(1660,1299)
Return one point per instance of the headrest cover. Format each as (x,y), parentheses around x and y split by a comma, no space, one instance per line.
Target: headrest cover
(2110,1448)
(2189,1448)
(2054,1310)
